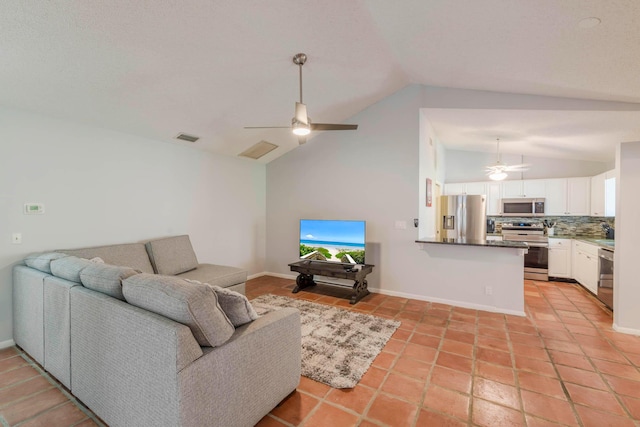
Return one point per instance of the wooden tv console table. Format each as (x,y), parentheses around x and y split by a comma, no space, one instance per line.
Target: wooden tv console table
(308,268)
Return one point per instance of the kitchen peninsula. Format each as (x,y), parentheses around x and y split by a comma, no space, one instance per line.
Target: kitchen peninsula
(477,274)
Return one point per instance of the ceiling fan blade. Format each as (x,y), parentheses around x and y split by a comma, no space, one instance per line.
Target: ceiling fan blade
(330,126)
(301,113)
(302,140)
(267,127)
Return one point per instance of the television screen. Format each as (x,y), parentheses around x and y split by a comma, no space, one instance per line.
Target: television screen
(332,240)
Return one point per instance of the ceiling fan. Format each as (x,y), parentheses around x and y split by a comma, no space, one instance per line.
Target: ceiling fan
(301,124)
(498,171)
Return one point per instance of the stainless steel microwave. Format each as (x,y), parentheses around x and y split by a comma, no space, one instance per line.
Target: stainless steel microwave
(522,207)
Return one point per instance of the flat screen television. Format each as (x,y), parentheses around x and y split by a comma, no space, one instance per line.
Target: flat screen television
(338,241)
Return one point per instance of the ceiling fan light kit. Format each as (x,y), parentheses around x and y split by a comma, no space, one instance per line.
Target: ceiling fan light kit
(498,171)
(301,125)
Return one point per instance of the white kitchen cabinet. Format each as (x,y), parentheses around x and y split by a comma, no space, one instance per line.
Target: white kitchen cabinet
(493,198)
(560,258)
(454,189)
(578,196)
(585,265)
(597,194)
(610,197)
(527,188)
(491,189)
(568,196)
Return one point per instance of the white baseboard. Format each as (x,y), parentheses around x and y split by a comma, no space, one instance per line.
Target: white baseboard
(281,276)
(454,303)
(420,297)
(255,276)
(6,344)
(630,331)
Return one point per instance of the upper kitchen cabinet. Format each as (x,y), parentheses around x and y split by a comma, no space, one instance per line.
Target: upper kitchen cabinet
(603,194)
(529,188)
(476,188)
(491,189)
(568,196)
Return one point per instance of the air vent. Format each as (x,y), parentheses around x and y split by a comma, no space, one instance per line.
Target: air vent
(258,150)
(186,137)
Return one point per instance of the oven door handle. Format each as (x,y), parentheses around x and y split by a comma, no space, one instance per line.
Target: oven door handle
(537,245)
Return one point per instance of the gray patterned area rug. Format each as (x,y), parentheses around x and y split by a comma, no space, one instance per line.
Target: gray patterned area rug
(338,345)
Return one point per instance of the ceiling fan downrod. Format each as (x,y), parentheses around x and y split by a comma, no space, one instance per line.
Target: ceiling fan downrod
(299,59)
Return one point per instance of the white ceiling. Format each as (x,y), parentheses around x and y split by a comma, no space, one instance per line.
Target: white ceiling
(580,135)
(159,67)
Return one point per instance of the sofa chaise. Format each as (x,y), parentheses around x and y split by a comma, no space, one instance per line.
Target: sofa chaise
(136,367)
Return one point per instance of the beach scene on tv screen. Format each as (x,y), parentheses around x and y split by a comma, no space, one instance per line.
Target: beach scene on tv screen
(334,241)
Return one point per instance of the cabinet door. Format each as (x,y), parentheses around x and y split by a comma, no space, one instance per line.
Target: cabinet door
(579,196)
(493,198)
(477,188)
(453,189)
(560,258)
(591,273)
(534,188)
(512,189)
(556,197)
(610,197)
(597,195)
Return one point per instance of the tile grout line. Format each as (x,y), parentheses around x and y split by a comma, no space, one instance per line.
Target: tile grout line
(547,350)
(597,370)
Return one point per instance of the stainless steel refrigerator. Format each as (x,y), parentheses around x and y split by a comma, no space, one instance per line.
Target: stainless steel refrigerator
(462,218)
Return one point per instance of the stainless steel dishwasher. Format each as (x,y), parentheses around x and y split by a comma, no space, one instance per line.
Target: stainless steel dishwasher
(605,281)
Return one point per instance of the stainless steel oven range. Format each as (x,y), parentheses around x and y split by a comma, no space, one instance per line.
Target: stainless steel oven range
(536,261)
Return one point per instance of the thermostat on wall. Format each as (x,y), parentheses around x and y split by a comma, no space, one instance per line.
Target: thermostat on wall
(33,208)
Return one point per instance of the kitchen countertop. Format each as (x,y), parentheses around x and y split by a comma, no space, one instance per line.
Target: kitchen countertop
(465,242)
(603,243)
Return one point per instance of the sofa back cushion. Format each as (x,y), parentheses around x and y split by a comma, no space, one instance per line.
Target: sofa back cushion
(192,304)
(172,255)
(133,255)
(69,267)
(42,261)
(106,278)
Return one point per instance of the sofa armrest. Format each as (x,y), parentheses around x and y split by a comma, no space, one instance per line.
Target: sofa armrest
(125,360)
(241,381)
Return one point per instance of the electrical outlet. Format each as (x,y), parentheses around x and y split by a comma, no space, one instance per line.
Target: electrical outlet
(16,238)
(401,225)
(488,290)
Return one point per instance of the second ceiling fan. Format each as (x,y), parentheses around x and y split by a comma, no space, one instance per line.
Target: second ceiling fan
(301,124)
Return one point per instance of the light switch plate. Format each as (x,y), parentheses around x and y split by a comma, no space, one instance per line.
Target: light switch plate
(16,238)
(33,209)
(401,225)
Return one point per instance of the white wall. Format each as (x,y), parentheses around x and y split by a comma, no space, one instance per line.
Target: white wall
(626,316)
(469,166)
(432,166)
(103,187)
(374,174)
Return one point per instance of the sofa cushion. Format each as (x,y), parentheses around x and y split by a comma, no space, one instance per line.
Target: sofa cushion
(42,261)
(235,305)
(220,275)
(106,278)
(69,267)
(192,304)
(133,255)
(172,255)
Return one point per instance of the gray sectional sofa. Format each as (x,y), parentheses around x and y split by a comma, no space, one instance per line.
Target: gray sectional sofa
(135,367)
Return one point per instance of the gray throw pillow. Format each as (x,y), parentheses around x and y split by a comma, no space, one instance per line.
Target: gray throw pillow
(42,261)
(69,267)
(172,255)
(194,305)
(106,278)
(235,305)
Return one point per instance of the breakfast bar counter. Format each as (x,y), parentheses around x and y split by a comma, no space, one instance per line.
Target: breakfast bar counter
(468,242)
(477,274)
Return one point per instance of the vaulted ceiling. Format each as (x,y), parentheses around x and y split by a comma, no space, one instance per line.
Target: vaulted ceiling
(155,68)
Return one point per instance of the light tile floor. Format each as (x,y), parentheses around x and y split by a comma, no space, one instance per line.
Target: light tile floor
(445,366)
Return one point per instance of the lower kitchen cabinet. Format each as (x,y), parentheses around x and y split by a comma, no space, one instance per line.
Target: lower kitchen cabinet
(560,258)
(585,265)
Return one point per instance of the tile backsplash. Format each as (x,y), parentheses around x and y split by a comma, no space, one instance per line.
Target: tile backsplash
(565,225)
